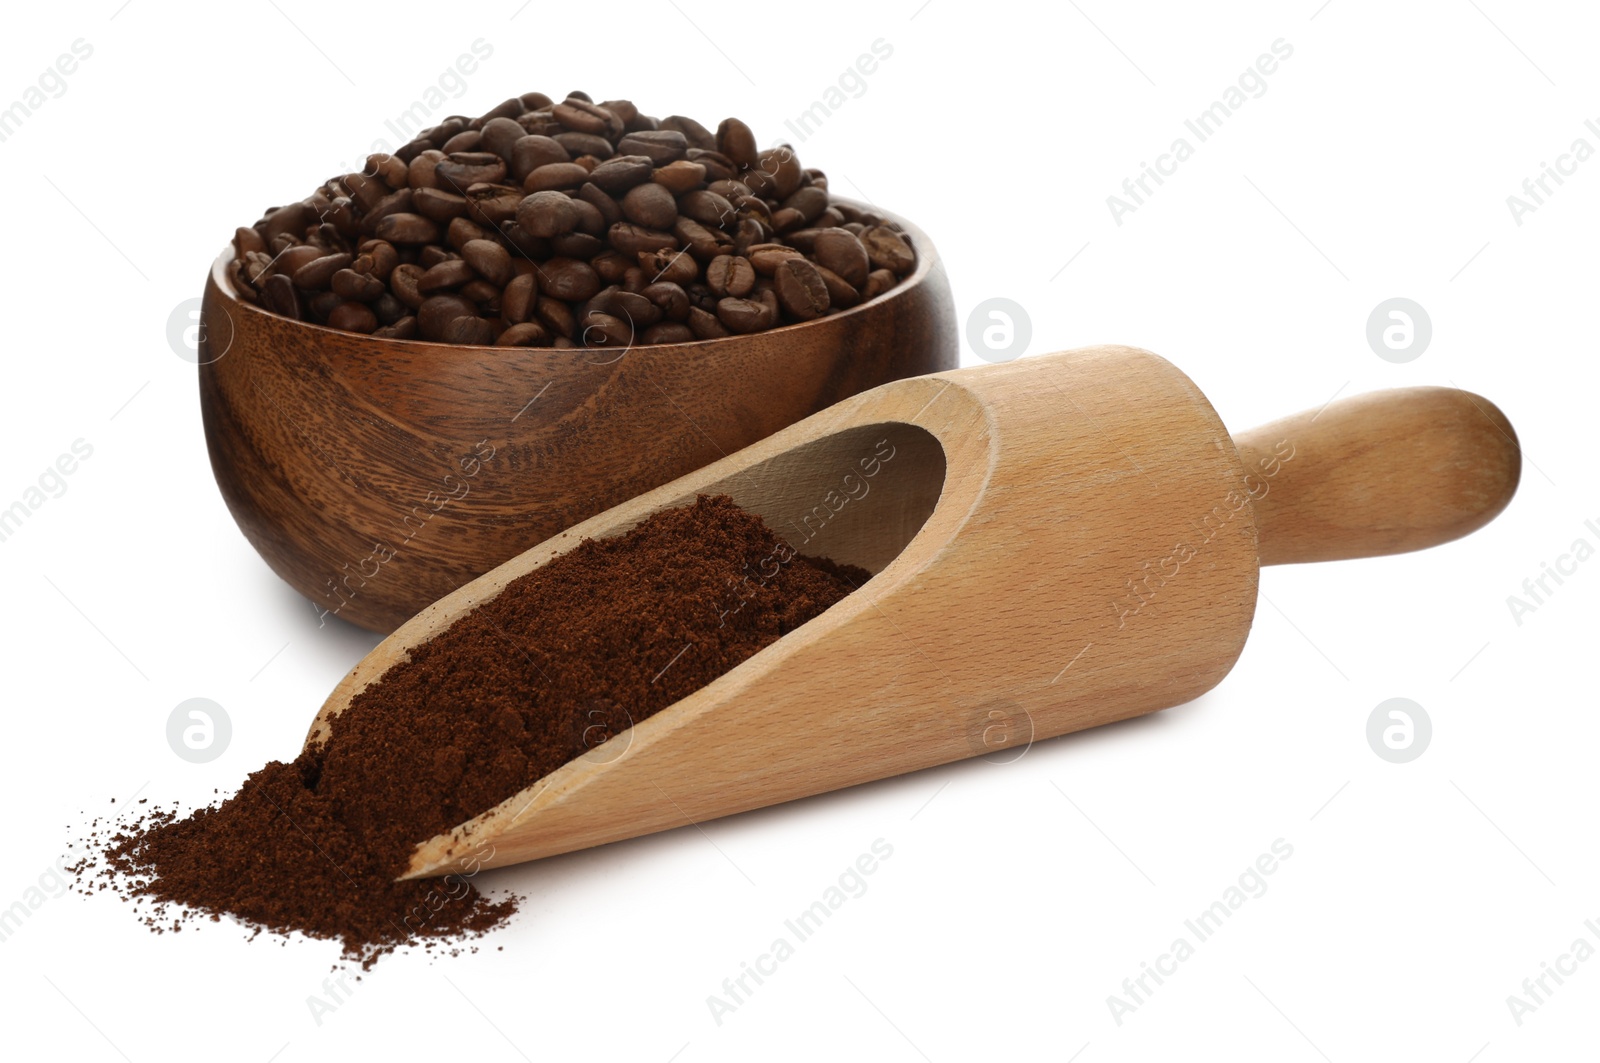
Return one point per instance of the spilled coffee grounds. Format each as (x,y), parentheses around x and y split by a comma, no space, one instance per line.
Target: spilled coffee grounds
(565,657)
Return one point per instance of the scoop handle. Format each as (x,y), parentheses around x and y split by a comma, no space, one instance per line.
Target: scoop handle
(1380,473)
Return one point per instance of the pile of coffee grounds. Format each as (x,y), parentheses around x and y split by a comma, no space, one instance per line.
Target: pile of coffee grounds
(567,656)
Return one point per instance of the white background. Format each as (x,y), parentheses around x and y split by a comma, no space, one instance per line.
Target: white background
(1377,164)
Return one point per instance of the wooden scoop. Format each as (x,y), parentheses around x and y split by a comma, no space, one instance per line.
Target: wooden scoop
(1059,542)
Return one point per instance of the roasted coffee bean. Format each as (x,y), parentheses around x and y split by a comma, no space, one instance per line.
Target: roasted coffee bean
(737,142)
(556,316)
(585,144)
(516,301)
(675,266)
(404,283)
(841,293)
(463,169)
(667,332)
(407,229)
(878,282)
(278,293)
(569,279)
(604,330)
(681,176)
(696,134)
(669,298)
(491,261)
(887,249)
(650,205)
(547,214)
(581,116)
(708,208)
(577,245)
(621,172)
(610,210)
(561,215)
(631,239)
(437,312)
(660,145)
(730,275)
(703,243)
(844,253)
(705,325)
(801,290)
(490,205)
(353,317)
(449,274)
(531,152)
(499,134)
(438,205)
(361,287)
(315,275)
(524,334)
(766,258)
(470,331)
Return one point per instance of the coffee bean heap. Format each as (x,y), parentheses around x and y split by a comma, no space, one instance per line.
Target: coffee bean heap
(545,224)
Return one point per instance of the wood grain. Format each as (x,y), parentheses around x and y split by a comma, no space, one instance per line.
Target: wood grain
(355,465)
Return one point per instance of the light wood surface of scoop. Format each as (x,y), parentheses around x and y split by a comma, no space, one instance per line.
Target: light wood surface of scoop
(1058,542)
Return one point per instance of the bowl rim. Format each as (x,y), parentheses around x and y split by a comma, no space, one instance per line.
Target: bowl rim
(927,260)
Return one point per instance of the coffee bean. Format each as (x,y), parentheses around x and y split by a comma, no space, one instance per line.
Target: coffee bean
(681,176)
(438,205)
(438,311)
(766,258)
(584,117)
(492,204)
(420,173)
(361,287)
(703,243)
(531,152)
(524,334)
(433,254)
(611,265)
(556,316)
(246,240)
(404,283)
(697,135)
(705,325)
(462,231)
(321,304)
(485,295)
(842,252)
(674,266)
(708,208)
(801,290)
(499,135)
(316,274)
(407,229)
(277,291)
(743,315)
(449,274)
(577,245)
(569,279)
(781,167)
(737,142)
(661,145)
(353,317)
(547,214)
(469,331)
(388,308)
(403,329)
(461,170)
(841,293)
(590,220)
(491,261)
(888,250)
(516,301)
(669,298)
(603,330)
(466,140)
(878,282)
(809,202)
(610,210)
(635,309)
(650,205)
(585,144)
(621,172)
(631,239)
(667,332)
(555,175)
(730,275)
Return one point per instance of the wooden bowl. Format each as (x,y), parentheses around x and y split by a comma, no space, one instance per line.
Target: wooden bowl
(378,475)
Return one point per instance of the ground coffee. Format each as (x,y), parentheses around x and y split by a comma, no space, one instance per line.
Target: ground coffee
(567,224)
(565,657)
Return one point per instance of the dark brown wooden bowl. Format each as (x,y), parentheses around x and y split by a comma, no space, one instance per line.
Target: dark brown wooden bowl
(378,475)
